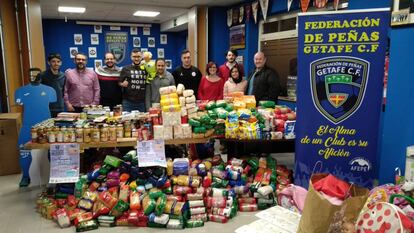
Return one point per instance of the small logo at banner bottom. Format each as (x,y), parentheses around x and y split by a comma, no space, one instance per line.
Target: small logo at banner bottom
(360,165)
(338,86)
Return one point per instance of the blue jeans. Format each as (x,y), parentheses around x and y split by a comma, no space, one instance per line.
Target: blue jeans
(128,105)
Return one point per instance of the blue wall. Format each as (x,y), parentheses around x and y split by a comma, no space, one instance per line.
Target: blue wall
(58,37)
(218,34)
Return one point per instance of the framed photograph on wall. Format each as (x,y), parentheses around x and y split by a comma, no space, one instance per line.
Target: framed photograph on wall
(77,38)
(94,39)
(97,28)
(151,42)
(144,50)
(168,64)
(160,53)
(115,28)
(133,31)
(92,52)
(97,63)
(73,51)
(238,37)
(146,31)
(402,12)
(163,39)
(136,42)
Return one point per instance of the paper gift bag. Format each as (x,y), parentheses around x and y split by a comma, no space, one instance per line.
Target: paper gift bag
(320,216)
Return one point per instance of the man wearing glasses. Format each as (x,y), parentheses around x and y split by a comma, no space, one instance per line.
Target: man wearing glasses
(82,86)
(54,78)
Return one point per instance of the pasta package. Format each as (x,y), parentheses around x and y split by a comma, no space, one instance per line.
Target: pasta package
(158,131)
(171,108)
(188,93)
(168,133)
(186,130)
(180,89)
(190,99)
(178,132)
(183,112)
(250,101)
(167,90)
(192,105)
(182,101)
(169,96)
(169,101)
(192,110)
(171,118)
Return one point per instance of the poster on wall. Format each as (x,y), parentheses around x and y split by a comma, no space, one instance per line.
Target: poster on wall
(116,42)
(151,153)
(92,52)
(136,42)
(340,78)
(73,51)
(168,64)
(163,39)
(146,31)
(94,39)
(151,42)
(237,37)
(144,50)
(160,53)
(97,63)
(77,38)
(133,31)
(97,29)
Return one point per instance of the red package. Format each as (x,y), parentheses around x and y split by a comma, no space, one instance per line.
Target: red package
(184,119)
(83,217)
(100,209)
(181,190)
(247,207)
(333,187)
(247,200)
(71,202)
(283,180)
(107,199)
(60,203)
(175,198)
(74,213)
(124,177)
(217,218)
(94,186)
(114,192)
(137,218)
(134,202)
(219,202)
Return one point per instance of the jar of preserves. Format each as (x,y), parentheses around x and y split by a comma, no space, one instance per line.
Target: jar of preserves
(96,135)
(79,134)
(87,134)
(127,129)
(119,131)
(104,133)
(41,135)
(33,133)
(51,135)
(112,133)
(66,136)
(59,134)
(72,134)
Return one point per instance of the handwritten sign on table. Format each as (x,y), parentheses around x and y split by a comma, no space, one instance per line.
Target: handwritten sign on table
(151,153)
(64,163)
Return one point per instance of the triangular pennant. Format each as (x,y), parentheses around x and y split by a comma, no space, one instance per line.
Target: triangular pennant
(229,17)
(264,4)
(248,12)
(289,4)
(241,14)
(320,3)
(255,8)
(336,4)
(304,4)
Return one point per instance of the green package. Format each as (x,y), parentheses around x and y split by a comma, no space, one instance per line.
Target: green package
(112,161)
(119,208)
(194,123)
(200,130)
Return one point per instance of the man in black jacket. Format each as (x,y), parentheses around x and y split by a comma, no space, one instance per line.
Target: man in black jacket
(263,82)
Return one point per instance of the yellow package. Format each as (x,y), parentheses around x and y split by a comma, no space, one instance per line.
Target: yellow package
(169,101)
(250,101)
(169,96)
(172,108)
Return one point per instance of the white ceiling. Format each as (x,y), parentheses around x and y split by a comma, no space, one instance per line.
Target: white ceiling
(122,10)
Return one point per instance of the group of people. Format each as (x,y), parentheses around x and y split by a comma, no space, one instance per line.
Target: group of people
(136,86)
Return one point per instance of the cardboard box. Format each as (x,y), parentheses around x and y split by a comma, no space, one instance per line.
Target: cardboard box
(10,124)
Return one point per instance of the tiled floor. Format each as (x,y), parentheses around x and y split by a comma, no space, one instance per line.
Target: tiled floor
(18,214)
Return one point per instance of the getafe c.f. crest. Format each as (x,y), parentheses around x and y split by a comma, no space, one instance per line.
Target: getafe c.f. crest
(338,86)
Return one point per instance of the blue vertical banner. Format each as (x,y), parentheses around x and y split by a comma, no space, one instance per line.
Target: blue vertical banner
(340,81)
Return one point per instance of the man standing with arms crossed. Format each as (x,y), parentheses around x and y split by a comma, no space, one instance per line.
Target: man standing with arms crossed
(82,86)
(108,76)
(132,79)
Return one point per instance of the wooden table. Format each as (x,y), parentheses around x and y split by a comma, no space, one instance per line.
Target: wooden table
(124,142)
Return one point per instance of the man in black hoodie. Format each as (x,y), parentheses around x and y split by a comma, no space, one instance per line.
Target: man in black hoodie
(263,81)
(54,78)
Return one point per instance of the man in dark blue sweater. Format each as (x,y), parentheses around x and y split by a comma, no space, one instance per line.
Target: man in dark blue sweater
(54,78)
